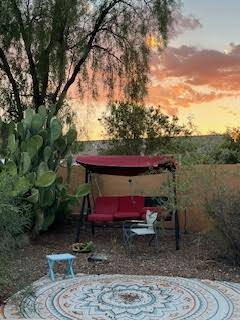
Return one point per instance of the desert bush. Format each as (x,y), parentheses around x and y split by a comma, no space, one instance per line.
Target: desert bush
(224,208)
(15,216)
(229,150)
(227,155)
(15,221)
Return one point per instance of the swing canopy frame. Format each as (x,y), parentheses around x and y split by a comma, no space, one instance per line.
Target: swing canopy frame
(131,165)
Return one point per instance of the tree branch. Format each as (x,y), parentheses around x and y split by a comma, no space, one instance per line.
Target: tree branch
(6,68)
(32,67)
(46,54)
(60,83)
(108,51)
(87,50)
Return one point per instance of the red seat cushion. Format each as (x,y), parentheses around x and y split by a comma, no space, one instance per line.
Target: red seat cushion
(96,217)
(130,204)
(127,215)
(106,205)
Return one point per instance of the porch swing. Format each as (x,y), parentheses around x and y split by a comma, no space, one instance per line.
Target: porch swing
(110,209)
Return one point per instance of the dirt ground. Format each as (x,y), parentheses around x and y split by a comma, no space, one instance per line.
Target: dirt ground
(195,259)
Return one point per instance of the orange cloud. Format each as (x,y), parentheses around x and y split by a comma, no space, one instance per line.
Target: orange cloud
(186,75)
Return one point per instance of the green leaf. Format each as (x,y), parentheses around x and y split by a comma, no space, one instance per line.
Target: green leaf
(47,197)
(47,153)
(25,162)
(51,112)
(28,115)
(28,134)
(55,129)
(11,168)
(69,161)
(34,197)
(71,200)
(63,190)
(21,129)
(31,177)
(83,190)
(37,123)
(12,144)
(46,179)
(43,167)
(33,145)
(43,112)
(21,186)
(44,134)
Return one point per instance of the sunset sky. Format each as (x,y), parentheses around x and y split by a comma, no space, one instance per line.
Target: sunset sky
(198,75)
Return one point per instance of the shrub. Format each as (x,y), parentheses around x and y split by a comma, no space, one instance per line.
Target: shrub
(15,217)
(224,208)
(229,150)
(227,155)
(135,129)
(15,220)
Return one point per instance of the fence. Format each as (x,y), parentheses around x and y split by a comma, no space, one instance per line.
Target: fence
(194,184)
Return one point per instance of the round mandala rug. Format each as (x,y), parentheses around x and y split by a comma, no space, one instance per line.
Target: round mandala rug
(123,297)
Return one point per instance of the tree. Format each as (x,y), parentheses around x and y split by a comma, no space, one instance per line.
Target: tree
(229,150)
(134,128)
(46,45)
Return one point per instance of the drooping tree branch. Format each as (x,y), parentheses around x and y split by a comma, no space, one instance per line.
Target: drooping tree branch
(32,67)
(53,42)
(107,51)
(87,50)
(47,51)
(7,70)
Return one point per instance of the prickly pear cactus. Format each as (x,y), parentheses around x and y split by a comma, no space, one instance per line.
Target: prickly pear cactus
(35,147)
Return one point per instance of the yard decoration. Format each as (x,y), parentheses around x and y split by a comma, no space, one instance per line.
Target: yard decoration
(35,148)
(83,247)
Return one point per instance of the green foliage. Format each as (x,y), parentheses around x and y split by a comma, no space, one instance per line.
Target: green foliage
(224,208)
(15,218)
(229,150)
(45,179)
(135,129)
(46,45)
(33,157)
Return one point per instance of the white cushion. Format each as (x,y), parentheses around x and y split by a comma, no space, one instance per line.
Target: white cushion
(142,231)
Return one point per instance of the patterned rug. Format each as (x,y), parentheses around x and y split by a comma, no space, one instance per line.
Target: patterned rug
(126,297)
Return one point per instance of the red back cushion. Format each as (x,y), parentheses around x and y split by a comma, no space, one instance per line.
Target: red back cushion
(130,203)
(106,205)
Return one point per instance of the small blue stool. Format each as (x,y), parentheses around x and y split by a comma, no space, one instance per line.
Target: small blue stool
(60,257)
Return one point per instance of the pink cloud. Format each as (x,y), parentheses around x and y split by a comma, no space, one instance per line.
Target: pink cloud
(186,75)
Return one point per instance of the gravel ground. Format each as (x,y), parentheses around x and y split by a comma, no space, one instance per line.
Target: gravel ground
(195,259)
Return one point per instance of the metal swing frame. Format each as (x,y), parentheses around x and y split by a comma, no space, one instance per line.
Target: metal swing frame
(86,201)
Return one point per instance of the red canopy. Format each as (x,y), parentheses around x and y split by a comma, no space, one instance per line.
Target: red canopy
(126,165)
